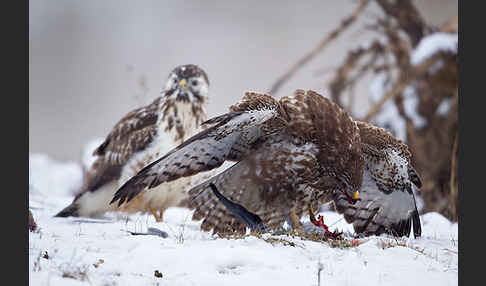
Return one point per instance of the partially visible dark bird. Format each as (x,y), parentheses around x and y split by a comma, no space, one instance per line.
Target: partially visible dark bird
(31,224)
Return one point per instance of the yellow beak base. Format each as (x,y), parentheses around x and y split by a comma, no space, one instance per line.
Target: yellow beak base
(355,195)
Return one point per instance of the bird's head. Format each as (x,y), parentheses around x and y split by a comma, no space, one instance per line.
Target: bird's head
(187,83)
(349,188)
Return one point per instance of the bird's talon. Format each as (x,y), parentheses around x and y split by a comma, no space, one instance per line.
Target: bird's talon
(319,222)
(157,215)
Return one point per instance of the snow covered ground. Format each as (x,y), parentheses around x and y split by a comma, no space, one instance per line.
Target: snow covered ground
(80,251)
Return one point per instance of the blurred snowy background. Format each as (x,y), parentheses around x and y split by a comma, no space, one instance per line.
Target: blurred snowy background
(90,62)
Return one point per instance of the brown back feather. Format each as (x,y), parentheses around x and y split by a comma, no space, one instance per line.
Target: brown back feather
(320,120)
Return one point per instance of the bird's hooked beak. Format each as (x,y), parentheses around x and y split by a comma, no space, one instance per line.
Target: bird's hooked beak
(352,197)
(183,84)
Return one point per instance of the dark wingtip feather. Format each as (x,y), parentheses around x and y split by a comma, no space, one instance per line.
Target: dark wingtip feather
(253,221)
(417,228)
(125,193)
(414,177)
(101,149)
(71,210)
(400,229)
(134,186)
(138,183)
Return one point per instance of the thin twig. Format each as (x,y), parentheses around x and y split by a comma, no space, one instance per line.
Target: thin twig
(396,90)
(339,82)
(406,75)
(408,18)
(331,36)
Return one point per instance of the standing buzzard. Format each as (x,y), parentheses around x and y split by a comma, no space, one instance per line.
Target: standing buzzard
(288,153)
(386,203)
(140,137)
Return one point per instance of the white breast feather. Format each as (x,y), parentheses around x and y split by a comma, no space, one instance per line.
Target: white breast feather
(393,160)
(398,203)
(399,161)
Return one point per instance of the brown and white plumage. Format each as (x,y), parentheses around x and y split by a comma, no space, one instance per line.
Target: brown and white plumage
(140,137)
(387,201)
(281,148)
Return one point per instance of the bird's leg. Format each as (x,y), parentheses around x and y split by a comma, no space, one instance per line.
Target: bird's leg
(315,222)
(320,223)
(158,215)
(295,221)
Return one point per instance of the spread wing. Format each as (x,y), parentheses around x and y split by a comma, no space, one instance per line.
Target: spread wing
(391,211)
(269,182)
(230,137)
(134,132)
(387,201)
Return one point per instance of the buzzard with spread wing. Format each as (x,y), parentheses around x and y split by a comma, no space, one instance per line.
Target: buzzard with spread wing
(386,201)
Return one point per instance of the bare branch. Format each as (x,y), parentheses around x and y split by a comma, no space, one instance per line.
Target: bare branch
(407,16)
(339,82)
(331,36)
(397,89)
(401,83)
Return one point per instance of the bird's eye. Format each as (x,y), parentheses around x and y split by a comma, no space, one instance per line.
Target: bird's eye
(194,82)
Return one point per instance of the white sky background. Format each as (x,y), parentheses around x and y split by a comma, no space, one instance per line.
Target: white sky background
(80,84)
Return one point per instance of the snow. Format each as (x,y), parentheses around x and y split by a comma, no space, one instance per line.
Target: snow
(50,180)
(389,116)
(82,251)
(444,107)
(410,105)
(87,158)
(432,44)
